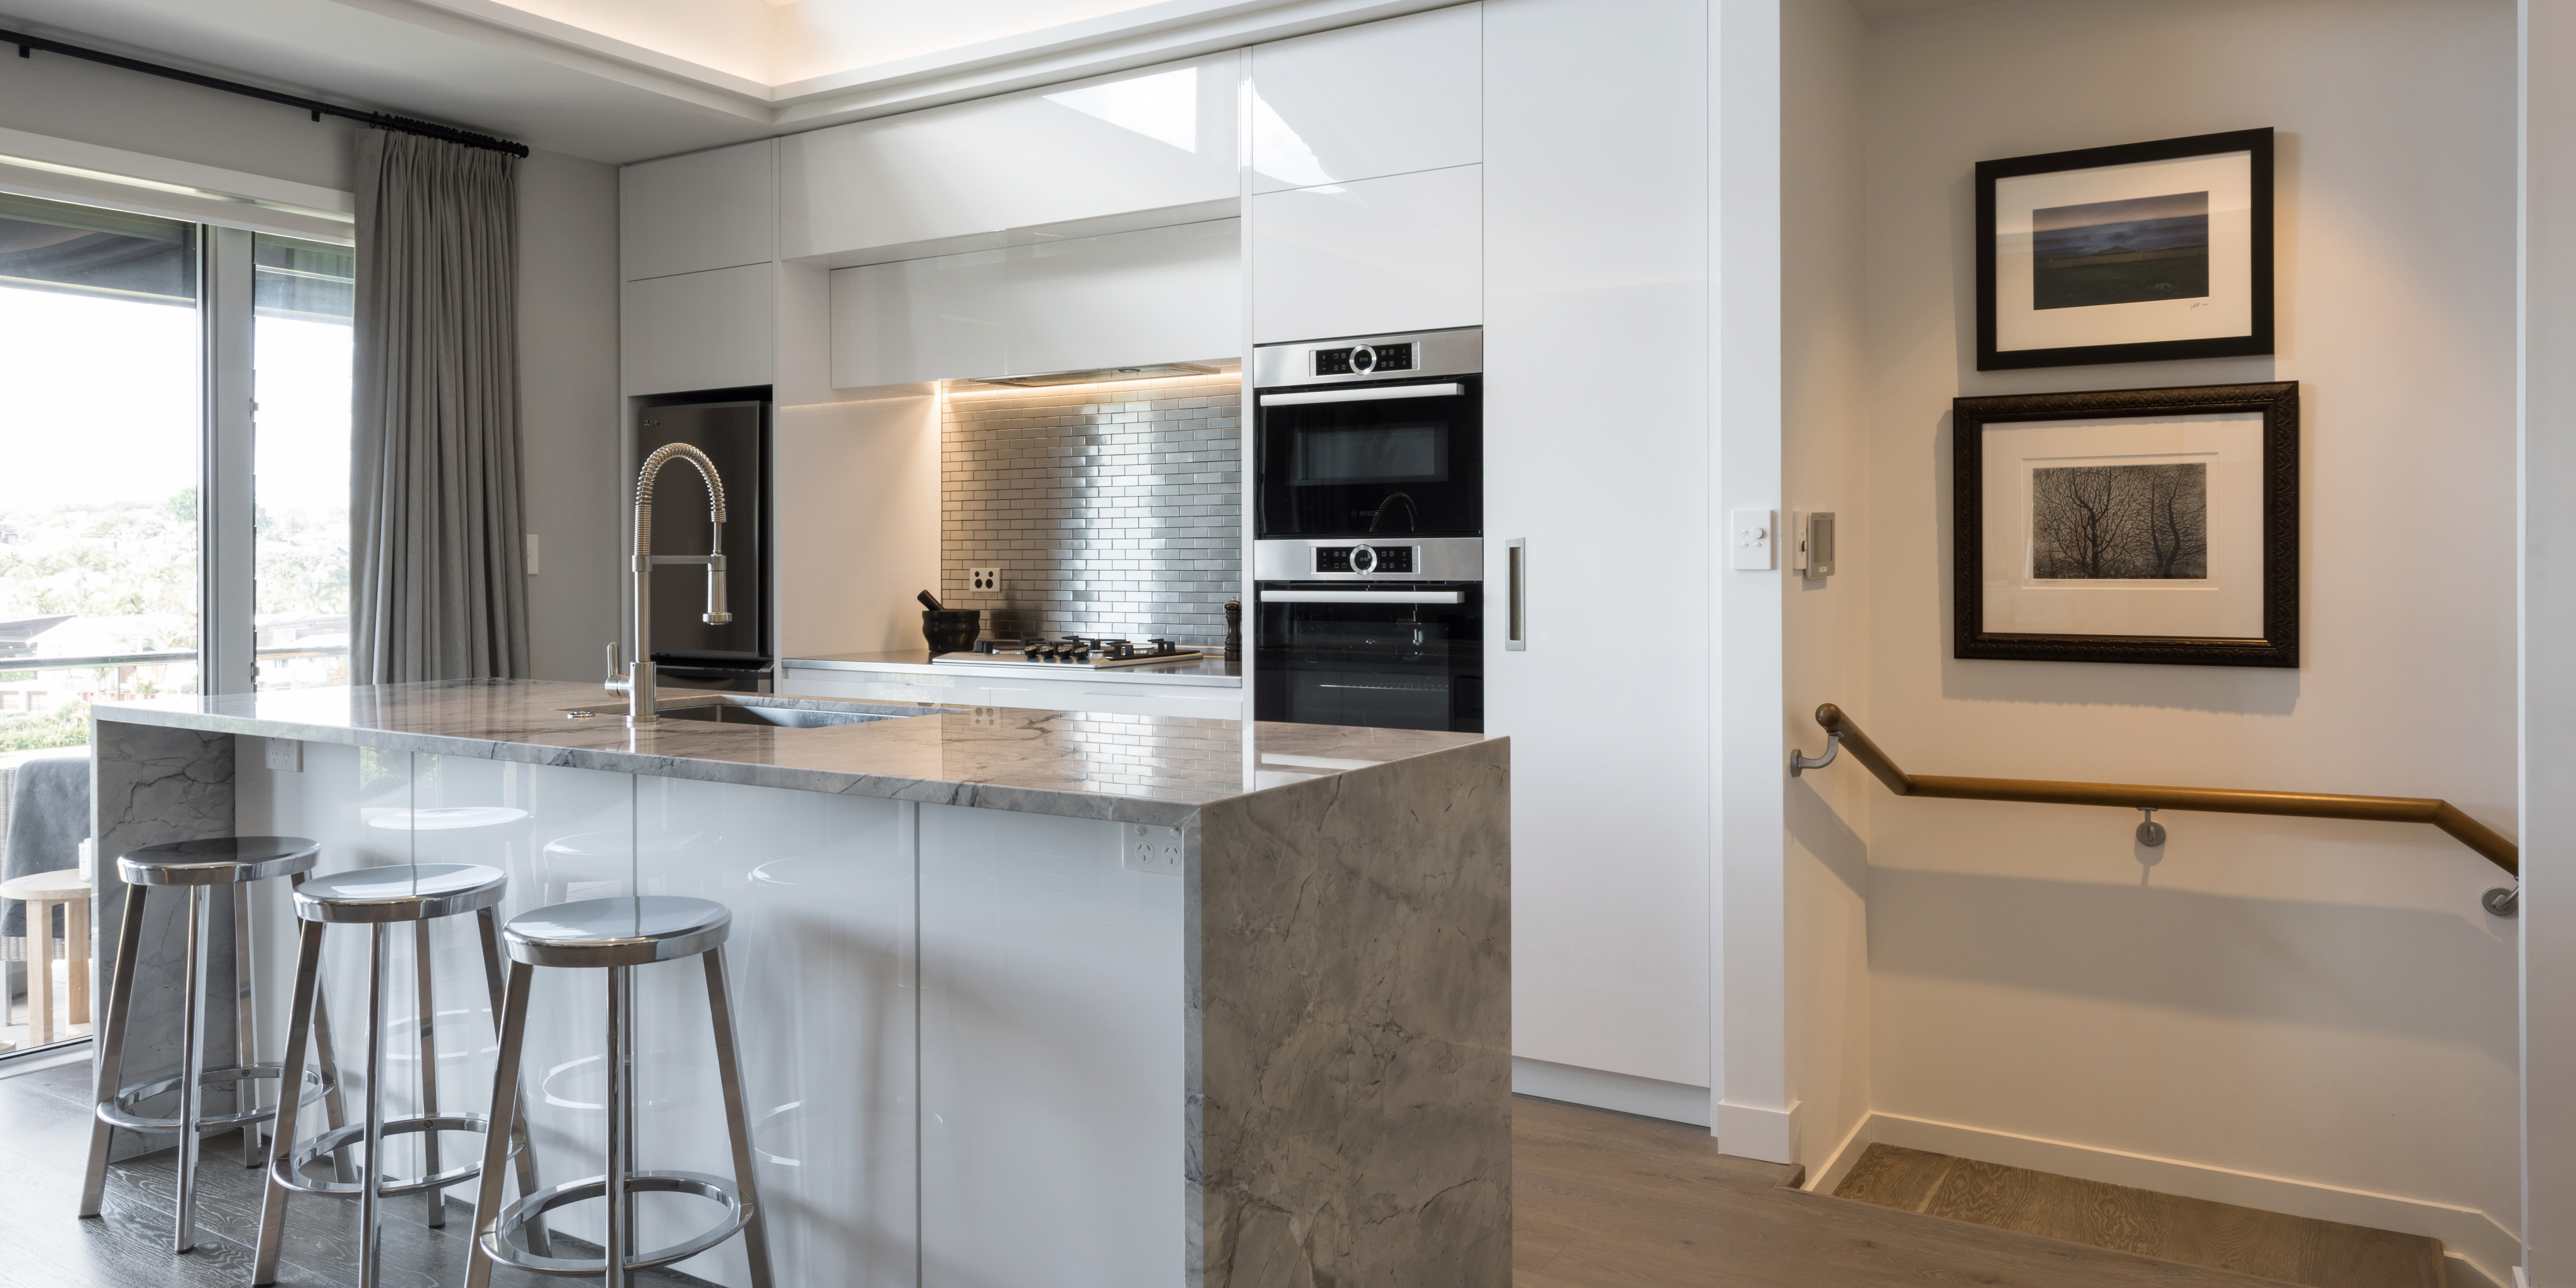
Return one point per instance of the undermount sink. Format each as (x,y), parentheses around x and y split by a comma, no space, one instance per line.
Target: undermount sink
(776,717)
(745,711)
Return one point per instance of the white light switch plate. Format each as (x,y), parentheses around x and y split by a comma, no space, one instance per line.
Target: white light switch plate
(984,580)
(1751,533)
(285,755)
(1152,849)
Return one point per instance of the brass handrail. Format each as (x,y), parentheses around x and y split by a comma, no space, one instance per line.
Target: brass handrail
(2375,809)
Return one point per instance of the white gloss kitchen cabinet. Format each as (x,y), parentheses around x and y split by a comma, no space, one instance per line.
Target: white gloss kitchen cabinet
(697,245)
(1080,304)
(1159,138)
(1596,243)
(1368,212)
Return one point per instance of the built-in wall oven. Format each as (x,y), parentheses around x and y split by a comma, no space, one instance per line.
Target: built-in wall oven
(1369,515)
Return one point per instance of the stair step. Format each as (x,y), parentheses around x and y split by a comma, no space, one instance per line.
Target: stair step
(2220,1236)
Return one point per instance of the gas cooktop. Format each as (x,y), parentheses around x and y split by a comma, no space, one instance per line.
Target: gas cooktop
(1072,652)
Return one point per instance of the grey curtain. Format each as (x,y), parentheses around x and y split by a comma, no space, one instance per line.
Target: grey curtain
(435,578)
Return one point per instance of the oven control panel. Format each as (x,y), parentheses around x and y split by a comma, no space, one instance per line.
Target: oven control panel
(1364,359)
(1365,559)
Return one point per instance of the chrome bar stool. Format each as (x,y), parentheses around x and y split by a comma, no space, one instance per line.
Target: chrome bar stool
(617,935)
(198,866)
(381,898)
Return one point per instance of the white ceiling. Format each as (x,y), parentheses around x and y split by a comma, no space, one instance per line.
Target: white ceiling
(624,80)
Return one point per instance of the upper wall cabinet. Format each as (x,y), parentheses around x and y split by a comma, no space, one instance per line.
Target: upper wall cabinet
(1386,98)
(705,210)
(1402,253)
(1150,139)
(1156,295)
(710,330)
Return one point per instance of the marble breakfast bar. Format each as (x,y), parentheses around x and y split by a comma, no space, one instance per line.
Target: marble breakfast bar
(1027,997)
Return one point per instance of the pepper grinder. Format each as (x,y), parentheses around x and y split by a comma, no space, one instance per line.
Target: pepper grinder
(1234,630)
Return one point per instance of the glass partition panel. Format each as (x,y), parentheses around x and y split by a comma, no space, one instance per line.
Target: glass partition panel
(305,294)
(100,426)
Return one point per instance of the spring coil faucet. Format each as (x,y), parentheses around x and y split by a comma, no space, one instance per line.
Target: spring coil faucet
(638,682)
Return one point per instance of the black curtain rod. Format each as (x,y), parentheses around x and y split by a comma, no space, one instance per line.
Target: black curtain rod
(381,120)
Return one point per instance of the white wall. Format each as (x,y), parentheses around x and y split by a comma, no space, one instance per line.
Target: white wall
(2317,1001)
(569,410)
(1824,623)
(2548,550)
(862,482)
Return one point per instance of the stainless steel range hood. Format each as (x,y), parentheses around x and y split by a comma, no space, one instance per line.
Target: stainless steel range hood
(1147,372)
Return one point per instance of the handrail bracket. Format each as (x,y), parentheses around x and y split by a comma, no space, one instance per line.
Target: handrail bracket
(1800,762)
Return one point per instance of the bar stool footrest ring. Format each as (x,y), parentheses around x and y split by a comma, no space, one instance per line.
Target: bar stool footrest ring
(506,1242)
(289,1172)
(119,1112)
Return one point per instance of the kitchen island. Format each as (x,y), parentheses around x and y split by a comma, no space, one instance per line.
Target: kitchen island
(1026,997)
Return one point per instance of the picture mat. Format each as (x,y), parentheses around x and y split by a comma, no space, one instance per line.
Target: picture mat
(2226,312)
(2228,604)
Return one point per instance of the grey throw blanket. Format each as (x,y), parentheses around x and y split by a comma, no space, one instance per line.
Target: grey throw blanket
(48,819)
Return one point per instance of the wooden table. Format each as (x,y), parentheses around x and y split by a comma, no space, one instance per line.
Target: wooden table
(42,892)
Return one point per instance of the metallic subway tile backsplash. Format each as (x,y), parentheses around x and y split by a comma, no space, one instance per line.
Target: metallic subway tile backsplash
(1112,509)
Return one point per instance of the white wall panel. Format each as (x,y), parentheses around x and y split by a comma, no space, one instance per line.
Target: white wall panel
(1386,98)
(710,330)
(1127,299)
(686,214)
(1402,253)
(1142,140)
(858,523)
(1051,1057)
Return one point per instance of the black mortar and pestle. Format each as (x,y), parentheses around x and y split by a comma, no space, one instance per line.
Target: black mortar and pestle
(949,630)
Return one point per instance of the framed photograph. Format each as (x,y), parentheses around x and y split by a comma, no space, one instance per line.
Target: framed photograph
(2133,525)
(2134,253)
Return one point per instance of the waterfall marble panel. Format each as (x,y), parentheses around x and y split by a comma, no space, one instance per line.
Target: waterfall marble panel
(150,786)
(1353,1072)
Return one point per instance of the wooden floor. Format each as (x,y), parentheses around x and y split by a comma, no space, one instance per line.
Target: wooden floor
(1602,1200)
(2289,1249)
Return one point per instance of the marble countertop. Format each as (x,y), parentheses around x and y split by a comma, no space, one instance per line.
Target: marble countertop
(1210,672)
(1134,769)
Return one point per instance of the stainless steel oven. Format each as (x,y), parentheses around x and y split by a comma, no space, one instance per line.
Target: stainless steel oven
(1368,558)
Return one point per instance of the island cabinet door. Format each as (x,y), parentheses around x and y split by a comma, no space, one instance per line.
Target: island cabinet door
(822,957)
(1051,1057)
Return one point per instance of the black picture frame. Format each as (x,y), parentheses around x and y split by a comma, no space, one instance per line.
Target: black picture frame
(2256,344)
(2278,403)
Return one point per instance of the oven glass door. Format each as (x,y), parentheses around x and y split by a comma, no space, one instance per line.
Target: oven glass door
(1344,655)
(1356,463)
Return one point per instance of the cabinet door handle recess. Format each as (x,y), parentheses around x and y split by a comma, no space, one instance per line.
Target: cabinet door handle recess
(1516,621)
(1362,597)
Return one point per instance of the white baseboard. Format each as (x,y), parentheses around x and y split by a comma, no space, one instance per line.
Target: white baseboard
(1758,1131)
(1625,1092)
(1828,1178)
(2475,1240)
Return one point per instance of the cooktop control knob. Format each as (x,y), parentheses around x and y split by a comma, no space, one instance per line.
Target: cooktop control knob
(1364,559)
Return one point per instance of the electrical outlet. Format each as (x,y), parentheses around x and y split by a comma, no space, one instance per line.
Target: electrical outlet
(286,755)
(984,580)
(1152,849)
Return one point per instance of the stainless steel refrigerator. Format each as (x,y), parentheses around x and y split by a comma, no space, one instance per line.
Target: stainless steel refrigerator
(734,433)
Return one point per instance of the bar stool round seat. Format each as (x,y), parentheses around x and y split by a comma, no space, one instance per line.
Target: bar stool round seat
(593,933)
(223,860)
(409,892)
(198,869)
(618,935)
(380,898)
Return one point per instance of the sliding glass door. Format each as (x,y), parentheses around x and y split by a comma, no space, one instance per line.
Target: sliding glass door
(305,294)
(101,427)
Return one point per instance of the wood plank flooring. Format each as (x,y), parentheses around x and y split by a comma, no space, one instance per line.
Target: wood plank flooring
(1603,1200)
(44,1141)
(2289,1249)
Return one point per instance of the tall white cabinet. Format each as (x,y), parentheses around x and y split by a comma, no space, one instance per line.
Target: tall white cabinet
(1597,441)
(698,237)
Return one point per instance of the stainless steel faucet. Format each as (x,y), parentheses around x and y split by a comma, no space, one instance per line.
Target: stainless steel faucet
(637,683)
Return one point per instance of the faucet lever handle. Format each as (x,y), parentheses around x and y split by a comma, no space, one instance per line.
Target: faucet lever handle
(616,679)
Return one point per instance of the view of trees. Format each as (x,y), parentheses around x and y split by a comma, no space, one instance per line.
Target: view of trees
(2097,522)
